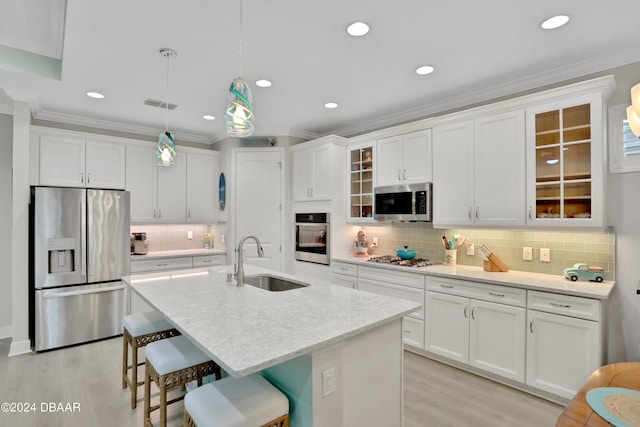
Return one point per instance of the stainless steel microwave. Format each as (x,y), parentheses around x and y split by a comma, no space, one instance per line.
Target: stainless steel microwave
(405,202)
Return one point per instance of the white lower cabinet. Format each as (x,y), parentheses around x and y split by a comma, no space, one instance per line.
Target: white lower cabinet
(483,334)
(398,284)
(562,350)
(344,274)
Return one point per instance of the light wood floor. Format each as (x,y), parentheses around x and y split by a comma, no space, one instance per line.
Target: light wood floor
(435,394)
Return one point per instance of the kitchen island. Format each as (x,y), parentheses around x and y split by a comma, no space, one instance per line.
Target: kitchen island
(297,339)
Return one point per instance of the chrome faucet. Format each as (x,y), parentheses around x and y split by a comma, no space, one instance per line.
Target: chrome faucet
(240,264)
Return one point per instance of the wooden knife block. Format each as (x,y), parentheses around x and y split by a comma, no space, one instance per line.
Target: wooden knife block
(495,264)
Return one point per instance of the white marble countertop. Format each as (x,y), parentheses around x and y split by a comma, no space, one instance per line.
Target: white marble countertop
(246,329)
(178,253)
(517,279)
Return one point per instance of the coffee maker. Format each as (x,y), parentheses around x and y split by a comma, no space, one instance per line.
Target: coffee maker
(139,243)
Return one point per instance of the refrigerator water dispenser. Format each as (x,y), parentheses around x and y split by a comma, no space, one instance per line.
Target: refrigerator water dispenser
(61,255)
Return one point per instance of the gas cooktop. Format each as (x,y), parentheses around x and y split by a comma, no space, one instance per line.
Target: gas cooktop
(396,260)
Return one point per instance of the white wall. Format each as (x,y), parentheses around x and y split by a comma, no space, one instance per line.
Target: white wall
(6,147)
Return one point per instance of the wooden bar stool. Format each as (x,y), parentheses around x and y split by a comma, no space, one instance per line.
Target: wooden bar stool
(170,363)
(139,330)
(237,402)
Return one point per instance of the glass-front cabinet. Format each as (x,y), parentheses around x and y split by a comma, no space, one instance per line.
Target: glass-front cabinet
(361,182)
(565,163)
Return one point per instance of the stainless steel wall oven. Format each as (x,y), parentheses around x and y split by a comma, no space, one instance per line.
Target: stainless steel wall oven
(312,237)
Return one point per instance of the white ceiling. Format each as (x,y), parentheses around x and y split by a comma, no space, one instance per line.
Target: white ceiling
(480,49)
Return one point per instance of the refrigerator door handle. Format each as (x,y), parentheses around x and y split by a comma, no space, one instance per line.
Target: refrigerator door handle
(83,239)
(84,292)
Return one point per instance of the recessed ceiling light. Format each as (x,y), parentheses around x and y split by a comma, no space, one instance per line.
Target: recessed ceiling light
(358,29)
(331,105)
(263,83)
(96,95)
(554,22)
(424,70)
(208,117)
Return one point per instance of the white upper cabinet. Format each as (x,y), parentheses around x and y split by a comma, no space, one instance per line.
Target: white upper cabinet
(565,163)
(72,162)
(404,159)
(142,178)
(479,171)
(312,173)
(184,192)
(172,185)
(202,187)
(360,182)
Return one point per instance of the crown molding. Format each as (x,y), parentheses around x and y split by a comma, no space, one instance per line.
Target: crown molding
(75,120)
(553,75)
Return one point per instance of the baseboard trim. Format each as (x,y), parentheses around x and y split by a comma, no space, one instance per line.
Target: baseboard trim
(6,332)
(19,347)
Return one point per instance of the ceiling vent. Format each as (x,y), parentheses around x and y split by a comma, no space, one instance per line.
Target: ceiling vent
(259,142)
(160,104)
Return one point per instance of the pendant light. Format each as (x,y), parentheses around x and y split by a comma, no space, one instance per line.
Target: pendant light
(239,112)
(166,149)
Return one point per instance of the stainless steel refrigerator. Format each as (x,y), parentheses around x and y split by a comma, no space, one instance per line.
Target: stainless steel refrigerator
(79,250)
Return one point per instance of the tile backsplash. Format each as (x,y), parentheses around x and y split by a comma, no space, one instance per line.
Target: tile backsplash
(171,237)
(566,248)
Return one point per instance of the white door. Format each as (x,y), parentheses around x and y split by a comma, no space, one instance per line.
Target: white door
(62,161)
(142,183)
(389,161)
(453,193)
(172,186)
(561,352)
(497,339)
(105,165)
(259,199)
(202,188)
(417,157)
(500,170)
(446,326)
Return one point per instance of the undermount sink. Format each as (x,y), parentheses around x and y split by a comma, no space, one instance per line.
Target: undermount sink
(271,283)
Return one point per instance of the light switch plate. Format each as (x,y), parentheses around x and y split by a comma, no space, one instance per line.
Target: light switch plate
(545,255)
(189,234)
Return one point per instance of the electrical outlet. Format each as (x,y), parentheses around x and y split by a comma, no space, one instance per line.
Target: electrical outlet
(545,255)
(527,253)
(328,382)
(222,238)
(471,250)
(190,235)
(374,244)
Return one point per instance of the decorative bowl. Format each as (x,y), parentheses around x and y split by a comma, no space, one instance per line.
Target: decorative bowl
(406,253)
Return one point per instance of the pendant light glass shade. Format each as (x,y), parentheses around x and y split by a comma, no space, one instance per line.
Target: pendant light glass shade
(239,112)
(634,121)
(166,150)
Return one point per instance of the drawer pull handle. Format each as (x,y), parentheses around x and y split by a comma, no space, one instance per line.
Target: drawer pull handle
(344,269)
(406,332)
(206,260)
(162,265)
(446,286)
(560,305)
(493,294)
